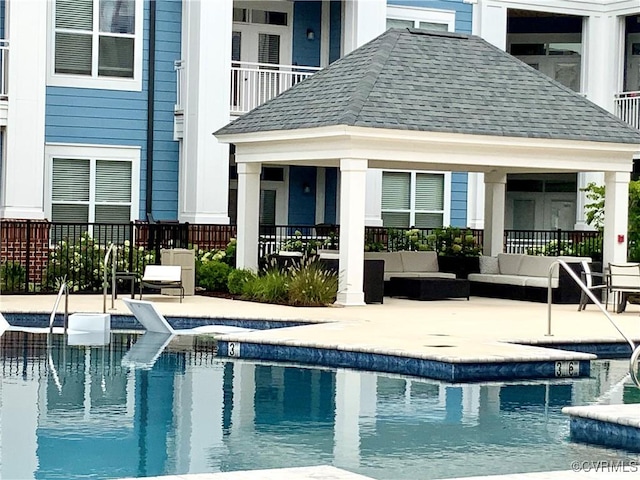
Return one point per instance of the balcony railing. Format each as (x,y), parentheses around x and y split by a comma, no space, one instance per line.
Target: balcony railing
(627,106)
(252,84)
(4,71)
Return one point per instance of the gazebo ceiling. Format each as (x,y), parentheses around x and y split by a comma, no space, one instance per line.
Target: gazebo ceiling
(412,99)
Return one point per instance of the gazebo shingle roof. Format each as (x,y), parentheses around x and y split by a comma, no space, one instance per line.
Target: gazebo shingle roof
(410,79)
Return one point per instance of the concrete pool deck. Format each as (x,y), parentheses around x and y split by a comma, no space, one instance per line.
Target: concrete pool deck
(456,332)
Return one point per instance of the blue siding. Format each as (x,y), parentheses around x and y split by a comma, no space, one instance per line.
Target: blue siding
(2,13)
(335,30)
(331,195)
(302,206)
(463,10)
(459,182)
(165,149)
(110,117)
(306,16)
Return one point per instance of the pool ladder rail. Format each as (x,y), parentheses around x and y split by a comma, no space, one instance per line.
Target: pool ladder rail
(635,349)
(64,290)
(110,255)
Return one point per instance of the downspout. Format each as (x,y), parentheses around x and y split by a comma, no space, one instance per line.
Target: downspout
(151,107)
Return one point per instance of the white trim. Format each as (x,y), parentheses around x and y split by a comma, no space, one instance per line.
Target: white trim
(106,83)
(93,153)
(325,33)
(419,14)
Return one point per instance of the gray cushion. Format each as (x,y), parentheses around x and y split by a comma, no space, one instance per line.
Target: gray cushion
(542,282)
(498,279)
(489,265)
(419,261)
(509,263)
(392,260)
(534,266)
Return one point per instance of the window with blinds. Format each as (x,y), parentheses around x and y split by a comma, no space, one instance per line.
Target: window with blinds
(91,45)
(412,199)
(91,190)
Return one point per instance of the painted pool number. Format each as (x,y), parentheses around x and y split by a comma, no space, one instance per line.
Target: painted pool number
(234,349)
(567,369)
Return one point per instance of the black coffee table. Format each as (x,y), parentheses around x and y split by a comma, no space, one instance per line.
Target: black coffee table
(429,288)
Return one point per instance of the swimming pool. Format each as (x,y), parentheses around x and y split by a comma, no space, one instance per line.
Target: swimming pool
(74,411)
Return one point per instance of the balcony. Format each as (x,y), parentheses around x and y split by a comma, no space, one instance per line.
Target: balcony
(178,109)
(4,75)
(252,84)
(627,107)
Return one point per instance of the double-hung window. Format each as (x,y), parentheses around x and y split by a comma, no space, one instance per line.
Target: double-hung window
(414,199)
(93,184)
(417,17)
(97,43)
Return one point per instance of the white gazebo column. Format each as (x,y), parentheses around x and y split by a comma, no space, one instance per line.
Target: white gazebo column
(616,211)
(22,189)
(584,179)
(364,20)
(346,434)
(601,35)
(494,199)
(248,215)
(475,200)
(353,175)
(373,202)
(204,164)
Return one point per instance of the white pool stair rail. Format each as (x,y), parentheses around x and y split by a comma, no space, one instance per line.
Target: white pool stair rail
(105,283)
(64,289)
(635,349)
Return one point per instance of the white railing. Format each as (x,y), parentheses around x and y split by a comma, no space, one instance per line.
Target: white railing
(178,66)
(627,106)
(4,70)
(252,84)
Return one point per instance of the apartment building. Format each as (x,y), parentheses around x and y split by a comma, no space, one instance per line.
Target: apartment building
(107,107)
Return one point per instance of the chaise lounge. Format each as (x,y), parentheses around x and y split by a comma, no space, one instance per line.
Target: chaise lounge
(162,276)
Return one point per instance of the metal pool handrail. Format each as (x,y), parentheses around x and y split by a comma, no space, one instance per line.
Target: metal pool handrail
(111,248)
(64,288)
(635,355)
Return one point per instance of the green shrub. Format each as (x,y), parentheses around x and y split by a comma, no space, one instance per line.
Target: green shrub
(454,242)
(270,287)
(12,277)
(213,275)
(237,280)
(311,286)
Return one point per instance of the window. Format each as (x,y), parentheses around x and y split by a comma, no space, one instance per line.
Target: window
(425,18)
(97,44)
(414,199)
(93,184)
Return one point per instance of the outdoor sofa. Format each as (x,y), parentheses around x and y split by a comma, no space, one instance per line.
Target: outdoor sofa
(526,277)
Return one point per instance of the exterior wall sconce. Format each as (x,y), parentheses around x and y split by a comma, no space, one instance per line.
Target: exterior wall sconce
(306,188)
(311,35)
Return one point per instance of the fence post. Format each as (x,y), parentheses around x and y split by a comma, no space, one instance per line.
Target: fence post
(558,240)
(131,247)
(28,258)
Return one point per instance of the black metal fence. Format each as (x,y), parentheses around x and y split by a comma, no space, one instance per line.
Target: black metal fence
(36,255)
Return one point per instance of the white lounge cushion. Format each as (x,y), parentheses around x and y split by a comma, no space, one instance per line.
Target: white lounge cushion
(509,263)
(162,273)
(497,279)
(535,266)
(419,261)
(489,265)
(392,260)
(542,282)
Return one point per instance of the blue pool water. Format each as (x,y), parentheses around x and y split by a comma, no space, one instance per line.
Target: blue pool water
(78,412)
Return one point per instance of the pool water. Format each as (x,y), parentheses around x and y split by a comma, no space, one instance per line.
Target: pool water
(76,412)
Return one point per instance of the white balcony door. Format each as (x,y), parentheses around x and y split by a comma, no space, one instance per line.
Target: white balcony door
(632,83)
(264,45)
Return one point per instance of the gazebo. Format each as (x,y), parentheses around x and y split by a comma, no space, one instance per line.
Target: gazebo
(418,100)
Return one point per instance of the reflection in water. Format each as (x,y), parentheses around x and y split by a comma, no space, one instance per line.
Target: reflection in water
(116,411)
